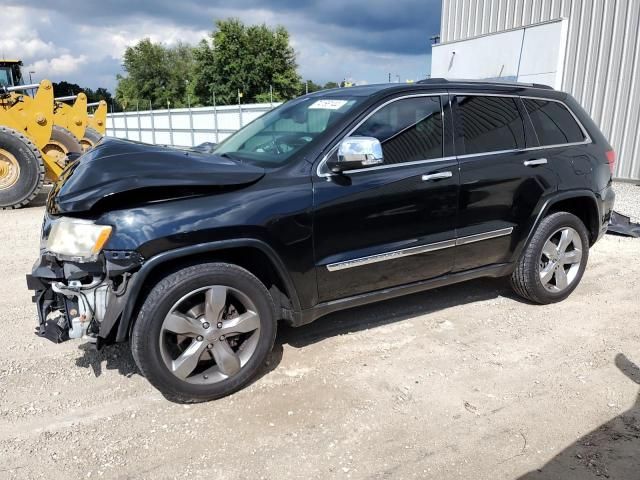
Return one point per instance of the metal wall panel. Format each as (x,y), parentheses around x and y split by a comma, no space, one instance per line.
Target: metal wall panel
(602,59)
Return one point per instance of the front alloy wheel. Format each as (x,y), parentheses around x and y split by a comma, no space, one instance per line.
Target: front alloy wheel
(210,334)
(204,332)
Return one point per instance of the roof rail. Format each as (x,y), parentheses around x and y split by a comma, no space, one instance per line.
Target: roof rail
(492,81)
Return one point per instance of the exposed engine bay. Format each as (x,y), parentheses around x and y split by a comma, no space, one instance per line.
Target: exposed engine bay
(81,300)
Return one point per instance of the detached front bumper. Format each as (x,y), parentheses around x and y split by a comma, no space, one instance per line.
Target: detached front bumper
(81,300)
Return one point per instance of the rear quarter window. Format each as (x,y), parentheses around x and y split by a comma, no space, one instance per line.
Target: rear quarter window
(553,122)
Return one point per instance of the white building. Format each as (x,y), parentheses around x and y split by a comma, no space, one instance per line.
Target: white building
(589,48)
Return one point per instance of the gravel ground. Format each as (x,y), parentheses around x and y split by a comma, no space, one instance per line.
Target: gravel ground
(628,200)
(460,382)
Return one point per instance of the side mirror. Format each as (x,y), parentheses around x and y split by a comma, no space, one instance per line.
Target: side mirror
(356,152)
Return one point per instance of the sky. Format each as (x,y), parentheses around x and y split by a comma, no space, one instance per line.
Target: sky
(83,41)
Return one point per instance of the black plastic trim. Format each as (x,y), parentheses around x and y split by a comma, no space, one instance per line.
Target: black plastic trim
(138,279)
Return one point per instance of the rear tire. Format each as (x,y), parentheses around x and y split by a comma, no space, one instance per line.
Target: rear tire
(61,144)
(552,265)
(90,139)
(205,304)
(21,169)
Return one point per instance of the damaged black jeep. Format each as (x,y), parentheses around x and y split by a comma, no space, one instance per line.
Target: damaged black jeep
(333,200)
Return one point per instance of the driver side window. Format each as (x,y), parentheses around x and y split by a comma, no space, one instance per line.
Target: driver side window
(409,129)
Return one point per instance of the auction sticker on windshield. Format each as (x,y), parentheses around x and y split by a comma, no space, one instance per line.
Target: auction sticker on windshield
(328,104)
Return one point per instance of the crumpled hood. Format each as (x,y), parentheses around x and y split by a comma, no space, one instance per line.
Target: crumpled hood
(143,172)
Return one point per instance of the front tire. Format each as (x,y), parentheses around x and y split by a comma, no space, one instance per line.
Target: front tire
(90,139)
(204,332)
(552,265)
(21,169)
(61,144)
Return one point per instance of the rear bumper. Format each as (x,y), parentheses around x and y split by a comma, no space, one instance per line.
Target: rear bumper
(607,199)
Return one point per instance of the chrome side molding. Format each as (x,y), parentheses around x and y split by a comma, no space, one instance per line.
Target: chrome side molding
(405,252)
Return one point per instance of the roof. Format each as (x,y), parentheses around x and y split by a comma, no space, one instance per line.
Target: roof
(368,90)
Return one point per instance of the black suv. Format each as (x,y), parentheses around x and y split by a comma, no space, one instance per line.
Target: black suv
(332,200)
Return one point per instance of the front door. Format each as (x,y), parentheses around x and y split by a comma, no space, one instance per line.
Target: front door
(393,224)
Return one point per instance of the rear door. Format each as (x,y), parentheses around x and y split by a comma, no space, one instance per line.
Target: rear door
(563,141)
(501,181)
(393,224)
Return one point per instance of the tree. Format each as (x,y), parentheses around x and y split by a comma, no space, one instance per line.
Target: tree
(157,74)
(329,85)
(63,89)
(245,59)
(309,86)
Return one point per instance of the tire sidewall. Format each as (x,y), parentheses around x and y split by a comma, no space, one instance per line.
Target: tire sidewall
(148,327)
(66,138)
(31,168)
(549,226)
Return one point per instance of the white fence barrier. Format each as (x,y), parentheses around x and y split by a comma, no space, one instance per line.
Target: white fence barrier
(184,126)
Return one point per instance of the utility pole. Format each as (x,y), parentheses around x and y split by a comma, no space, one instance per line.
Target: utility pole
(389,77)
(215,115)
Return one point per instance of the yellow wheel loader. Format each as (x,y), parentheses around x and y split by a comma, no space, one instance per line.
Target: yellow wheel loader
(69,125)
(26,125)
(96,126)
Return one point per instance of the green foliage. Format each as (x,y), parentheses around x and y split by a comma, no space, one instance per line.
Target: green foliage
(248,59)
(255,61)
(329,85)
(63,89)
(309,86)
(157,74)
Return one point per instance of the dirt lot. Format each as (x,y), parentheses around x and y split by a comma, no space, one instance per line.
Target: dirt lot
(460,382)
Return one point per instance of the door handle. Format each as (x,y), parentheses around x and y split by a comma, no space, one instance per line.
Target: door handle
(533,163)
(436,176)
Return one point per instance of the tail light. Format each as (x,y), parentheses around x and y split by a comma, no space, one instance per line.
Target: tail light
(611,159)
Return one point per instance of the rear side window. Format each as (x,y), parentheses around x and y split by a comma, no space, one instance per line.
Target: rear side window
(553,123)
(409,129)
(488,124)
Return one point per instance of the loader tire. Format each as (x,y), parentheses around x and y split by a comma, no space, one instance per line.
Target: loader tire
(61,144)
(21,169)
(90,139)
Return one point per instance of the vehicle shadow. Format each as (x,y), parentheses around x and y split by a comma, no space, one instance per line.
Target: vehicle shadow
(118,357)
(610,451)
(114,357)
(395,310)
(40,199)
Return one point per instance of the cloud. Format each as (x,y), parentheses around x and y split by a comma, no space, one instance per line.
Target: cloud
(362,40)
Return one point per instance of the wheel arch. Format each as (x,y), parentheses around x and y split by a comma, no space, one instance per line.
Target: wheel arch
(581,203)
(254,255)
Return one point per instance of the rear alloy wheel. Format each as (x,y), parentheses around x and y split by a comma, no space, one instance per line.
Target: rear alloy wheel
(204,332)
(553,263)
(560,260)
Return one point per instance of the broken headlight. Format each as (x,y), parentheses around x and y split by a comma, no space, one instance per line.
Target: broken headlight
(77,240)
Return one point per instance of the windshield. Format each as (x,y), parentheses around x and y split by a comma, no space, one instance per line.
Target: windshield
(273,138)
(6,79)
